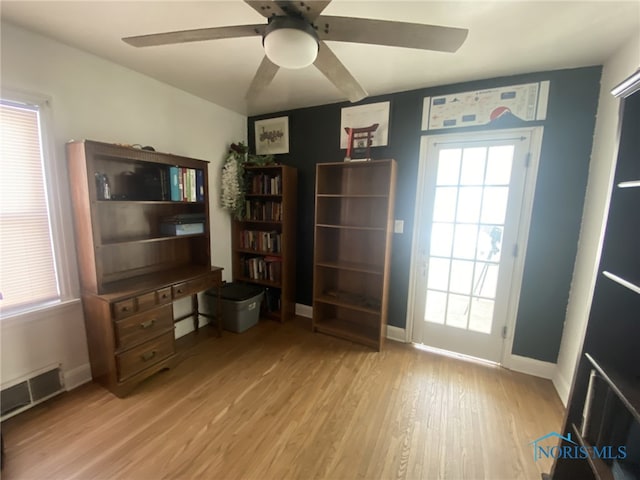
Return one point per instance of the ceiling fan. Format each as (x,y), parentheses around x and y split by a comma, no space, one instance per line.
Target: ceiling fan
(295,35)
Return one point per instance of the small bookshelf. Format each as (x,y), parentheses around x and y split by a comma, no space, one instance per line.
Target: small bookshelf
(264,239)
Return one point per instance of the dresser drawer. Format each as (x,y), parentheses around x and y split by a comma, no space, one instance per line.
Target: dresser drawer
(164,295)
(145,355)
(124,308)
(196,285)
(146,301)
(142,326)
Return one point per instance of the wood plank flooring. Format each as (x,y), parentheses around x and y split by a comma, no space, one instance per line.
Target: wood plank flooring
(281,402)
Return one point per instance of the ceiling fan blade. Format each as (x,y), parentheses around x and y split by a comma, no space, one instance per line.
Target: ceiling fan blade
(266,8)
(395,34)
(337,73)
(310,9)
(197,35)
(266,71)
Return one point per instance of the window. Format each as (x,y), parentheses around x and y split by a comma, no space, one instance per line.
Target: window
(28,276)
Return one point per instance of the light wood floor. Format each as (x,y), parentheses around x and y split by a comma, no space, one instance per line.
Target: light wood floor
(280,402)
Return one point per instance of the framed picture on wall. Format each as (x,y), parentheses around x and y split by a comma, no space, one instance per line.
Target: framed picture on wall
(272,136)
(365,116)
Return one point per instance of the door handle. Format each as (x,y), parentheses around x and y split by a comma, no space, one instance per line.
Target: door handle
(148,355)
(148,323)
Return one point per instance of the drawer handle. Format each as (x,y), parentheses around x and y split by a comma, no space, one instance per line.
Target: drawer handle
(125,309)
(180,290)
(164,296)
(148,323)
(148,355)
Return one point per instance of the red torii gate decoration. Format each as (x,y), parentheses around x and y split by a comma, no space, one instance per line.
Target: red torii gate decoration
(359,142)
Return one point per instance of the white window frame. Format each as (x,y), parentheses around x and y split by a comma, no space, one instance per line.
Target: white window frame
(57,188)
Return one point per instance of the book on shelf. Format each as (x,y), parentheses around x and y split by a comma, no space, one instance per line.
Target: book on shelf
(199,185)
(174,172)
(260,241)
(263,268)
(258,210)
(263,184)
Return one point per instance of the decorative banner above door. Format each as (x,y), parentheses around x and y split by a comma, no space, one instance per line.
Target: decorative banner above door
(525,102)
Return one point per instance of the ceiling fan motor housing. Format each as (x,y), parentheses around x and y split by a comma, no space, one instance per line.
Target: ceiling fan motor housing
(290,42)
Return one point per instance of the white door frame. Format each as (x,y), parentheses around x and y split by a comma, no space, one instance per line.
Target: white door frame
(535,134)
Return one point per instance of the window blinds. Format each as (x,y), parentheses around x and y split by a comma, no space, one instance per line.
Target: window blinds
(27,268)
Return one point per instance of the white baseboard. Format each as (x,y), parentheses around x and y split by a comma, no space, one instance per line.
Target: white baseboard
(563,386)
(305,311)
(531,366)
(396,333)
(76,376)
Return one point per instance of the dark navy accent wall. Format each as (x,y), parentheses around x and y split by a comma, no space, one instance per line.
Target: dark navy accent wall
(314,137)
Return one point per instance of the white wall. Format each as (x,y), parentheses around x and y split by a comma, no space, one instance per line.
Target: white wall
(92,98)
(602,167)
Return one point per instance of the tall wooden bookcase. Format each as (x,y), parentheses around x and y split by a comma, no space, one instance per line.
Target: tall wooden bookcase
(603,410)
(264,239)
(131,268)
(353,233)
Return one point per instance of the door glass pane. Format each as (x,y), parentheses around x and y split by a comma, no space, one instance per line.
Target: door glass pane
(449,166)
(469,204)
(438,273)
(469,209)
(490,243)
(441,239)
(461,276)
(494,204)
(444,205)
(481,317)
(457,311)
(485,280)
(464,245)
(436,307)
(473,166)
(499,165)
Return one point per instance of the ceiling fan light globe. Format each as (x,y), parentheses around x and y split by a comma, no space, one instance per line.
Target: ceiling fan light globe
(290,48)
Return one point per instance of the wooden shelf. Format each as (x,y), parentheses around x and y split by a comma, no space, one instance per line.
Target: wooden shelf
(145,202)
(263,222)
(131,273)
(266,283)
(164,238)
(113,291)
(285,203)
(348,330)
(627,390)
(606,383)
(258,252)
(352,227)
(354,212)
(266,196)
(600,469)
(351,195)
(352,266)
(342,303)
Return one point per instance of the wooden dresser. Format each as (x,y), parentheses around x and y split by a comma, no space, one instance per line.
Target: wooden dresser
(132,267)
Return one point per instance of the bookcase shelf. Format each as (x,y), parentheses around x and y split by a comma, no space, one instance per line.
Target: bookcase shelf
(353,231)
(130,271)
(604,403)
(271,194)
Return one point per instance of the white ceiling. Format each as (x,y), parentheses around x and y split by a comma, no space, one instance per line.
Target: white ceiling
(505,37)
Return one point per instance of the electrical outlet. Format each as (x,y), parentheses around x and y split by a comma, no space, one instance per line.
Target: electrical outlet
(398,226)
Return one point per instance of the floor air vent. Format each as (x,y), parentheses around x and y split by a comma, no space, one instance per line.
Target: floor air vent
(24,394)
